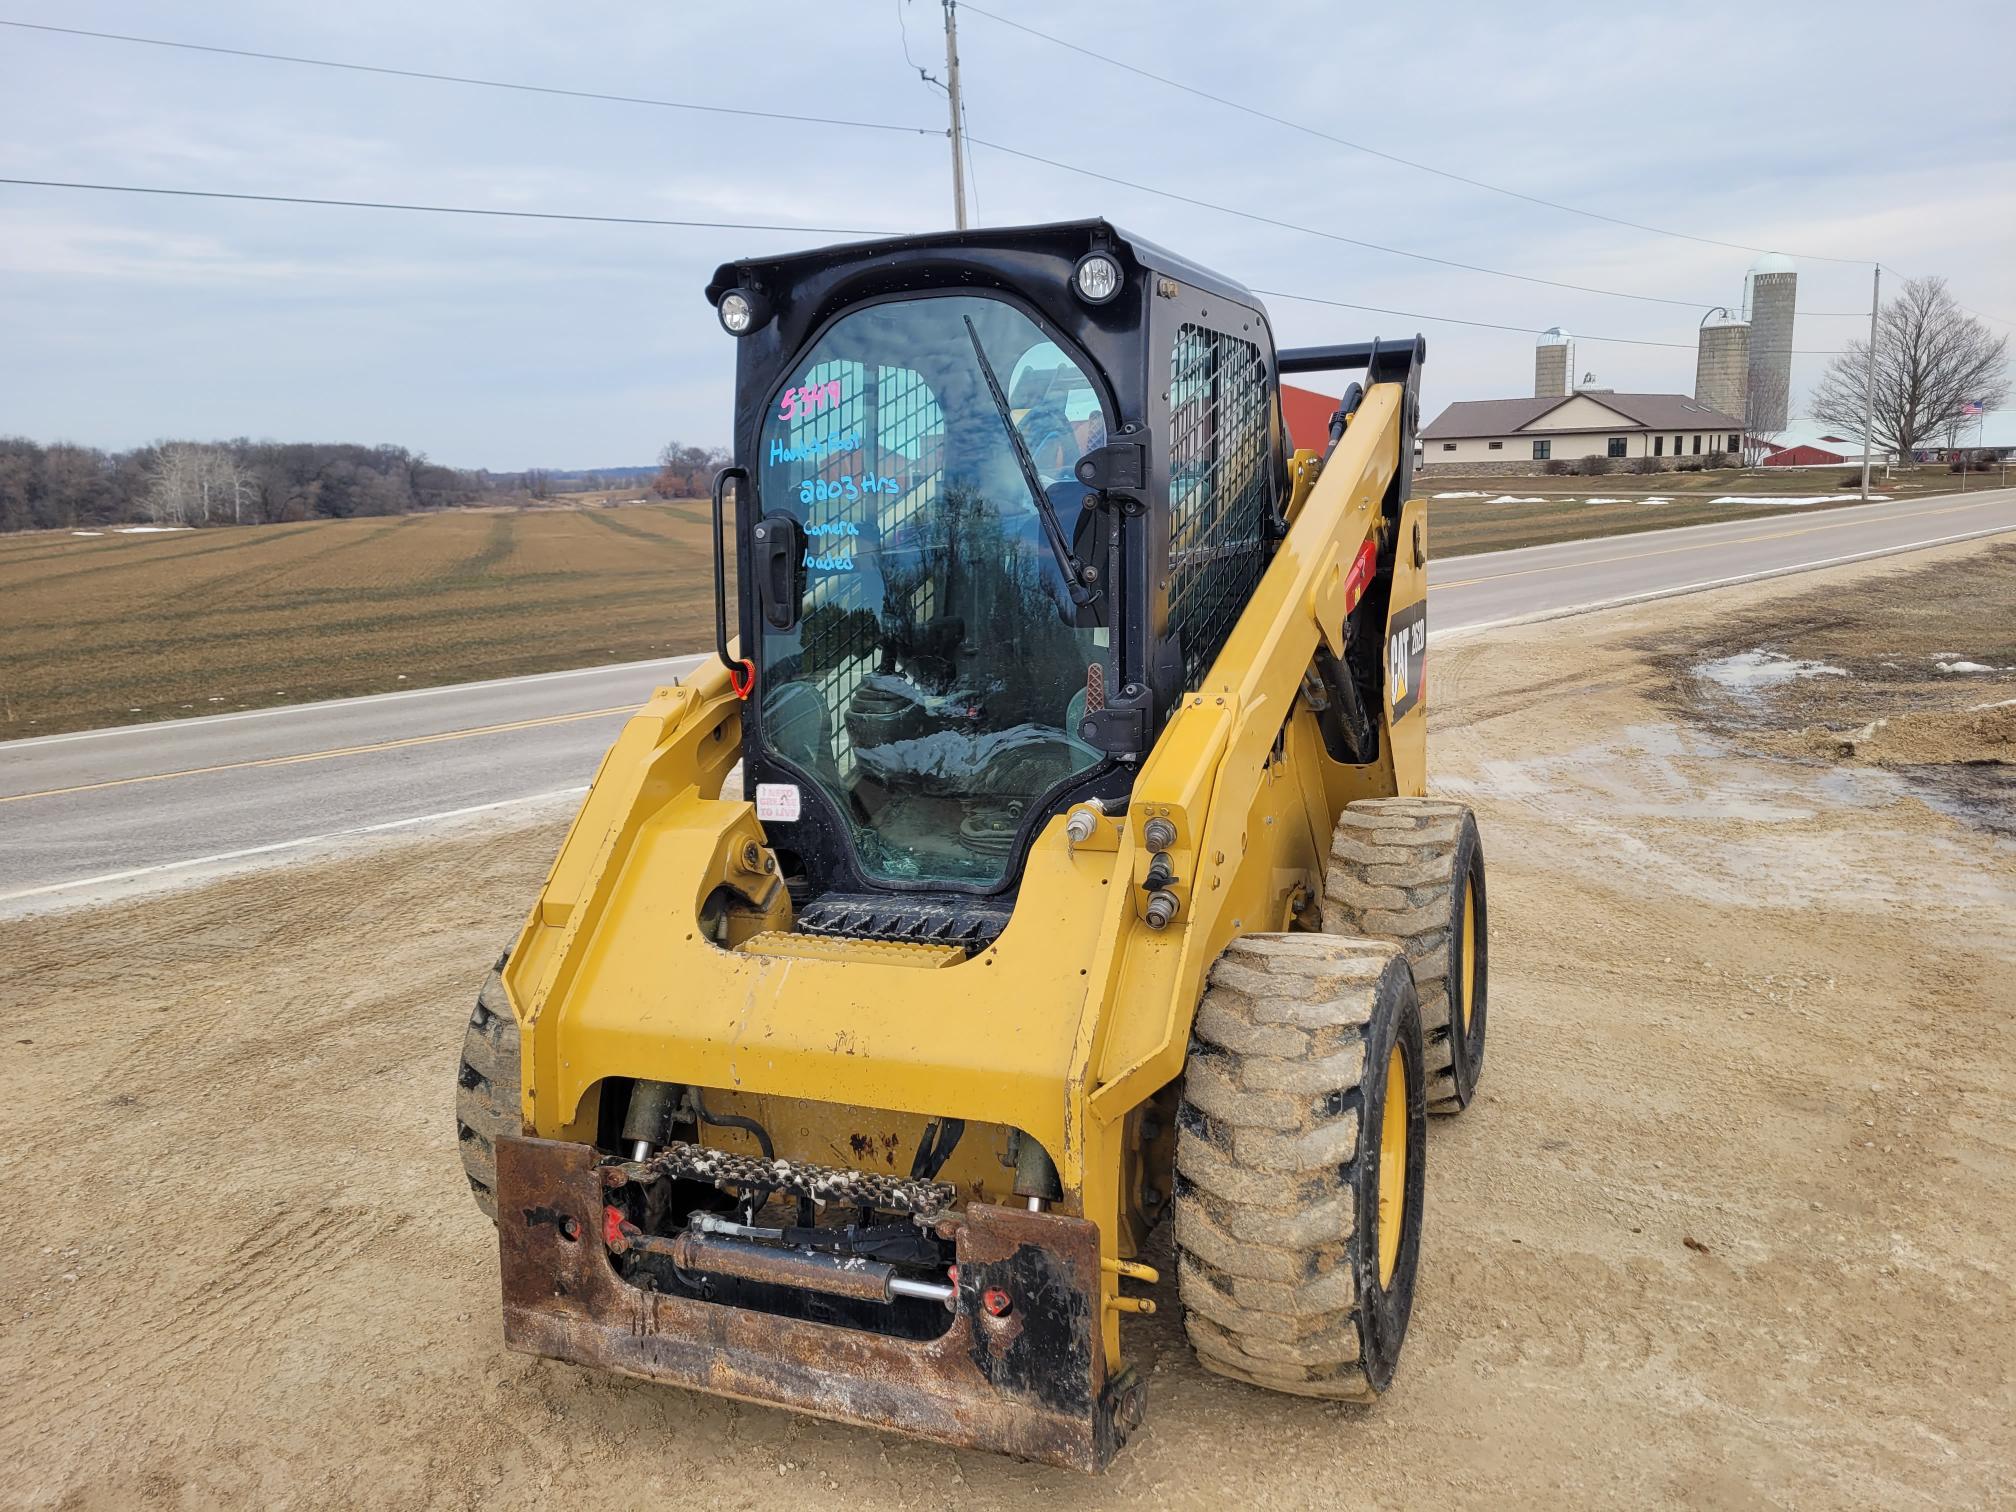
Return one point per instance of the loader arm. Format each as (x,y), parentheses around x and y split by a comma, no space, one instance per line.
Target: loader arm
(1213,758)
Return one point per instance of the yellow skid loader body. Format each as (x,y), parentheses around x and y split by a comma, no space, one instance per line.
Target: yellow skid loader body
(1065,1025)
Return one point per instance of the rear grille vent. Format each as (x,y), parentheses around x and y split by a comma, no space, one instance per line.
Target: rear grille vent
(872,917)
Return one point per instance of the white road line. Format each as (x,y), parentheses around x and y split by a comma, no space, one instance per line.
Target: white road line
(106,879)
(1898,509)
(1724,582)
(196,721)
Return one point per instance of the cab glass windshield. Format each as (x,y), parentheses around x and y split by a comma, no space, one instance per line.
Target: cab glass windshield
(934,682)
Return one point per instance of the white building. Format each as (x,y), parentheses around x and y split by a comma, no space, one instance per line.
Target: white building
(1567,428)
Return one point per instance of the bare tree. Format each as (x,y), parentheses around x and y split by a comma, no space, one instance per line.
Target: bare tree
(173,496)
(1767,397)
(1931,358)
(194,485)
(684,471)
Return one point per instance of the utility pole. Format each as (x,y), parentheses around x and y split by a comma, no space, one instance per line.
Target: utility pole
(958,132)
(1869,382)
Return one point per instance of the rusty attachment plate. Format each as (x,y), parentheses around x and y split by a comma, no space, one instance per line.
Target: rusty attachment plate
(1028,1380)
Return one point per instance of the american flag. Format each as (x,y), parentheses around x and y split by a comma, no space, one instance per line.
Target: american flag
(1971,408)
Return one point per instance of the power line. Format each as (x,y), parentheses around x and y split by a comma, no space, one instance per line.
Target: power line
(903,29)
(640,220)
(431,77)
(1352,241)
(1293,125)
(441,78)
(350,204)
(1491,325)
(966,131)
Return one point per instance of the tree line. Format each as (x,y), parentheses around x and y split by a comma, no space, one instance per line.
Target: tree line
(687,472)
(238,482)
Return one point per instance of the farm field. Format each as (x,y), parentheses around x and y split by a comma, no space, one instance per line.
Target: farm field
(124,628)
(1472,514)
(117,628)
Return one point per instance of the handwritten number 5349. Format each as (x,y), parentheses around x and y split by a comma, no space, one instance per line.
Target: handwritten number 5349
(797,403)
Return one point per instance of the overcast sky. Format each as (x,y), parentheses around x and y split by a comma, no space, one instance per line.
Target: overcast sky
(1834,129)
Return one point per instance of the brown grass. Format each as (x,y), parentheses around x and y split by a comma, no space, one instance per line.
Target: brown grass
(1461,527)
(117,629)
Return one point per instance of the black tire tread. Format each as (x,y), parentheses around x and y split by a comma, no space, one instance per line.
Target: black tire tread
(1265,1223)
(1391,877)
(486,1089)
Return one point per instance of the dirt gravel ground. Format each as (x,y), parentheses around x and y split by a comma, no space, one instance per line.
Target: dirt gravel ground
(1729,1225)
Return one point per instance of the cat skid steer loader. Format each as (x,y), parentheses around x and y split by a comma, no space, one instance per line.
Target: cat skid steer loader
(1080,877)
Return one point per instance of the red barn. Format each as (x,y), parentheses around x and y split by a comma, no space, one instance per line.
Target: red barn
(1804,455)
(1307,416)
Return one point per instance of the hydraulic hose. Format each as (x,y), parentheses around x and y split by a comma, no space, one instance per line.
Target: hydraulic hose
(748,1126)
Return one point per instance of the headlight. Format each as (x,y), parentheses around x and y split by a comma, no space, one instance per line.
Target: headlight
(1097,278)
(738,312)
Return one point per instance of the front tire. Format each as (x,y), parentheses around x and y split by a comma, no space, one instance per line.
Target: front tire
(486,1087)
(1300,1154)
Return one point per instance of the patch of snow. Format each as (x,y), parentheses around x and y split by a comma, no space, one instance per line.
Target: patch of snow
(1962,666)
(1459,496)
(1514,499)
(1656,499)
(2007,703)
(149,529)
(1749,673)
(87,532)
(1795,498)
(1599,499)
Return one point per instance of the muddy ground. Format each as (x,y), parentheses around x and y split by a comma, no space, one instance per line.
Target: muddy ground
(1730,1224)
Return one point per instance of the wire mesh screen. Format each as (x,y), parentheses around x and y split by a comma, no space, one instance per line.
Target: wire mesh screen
(887,423)
(1218,489)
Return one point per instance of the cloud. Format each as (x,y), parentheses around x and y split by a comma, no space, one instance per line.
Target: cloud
(512,343)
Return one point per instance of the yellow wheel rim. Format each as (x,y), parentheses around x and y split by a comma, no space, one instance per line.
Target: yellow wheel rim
(1392,1165)
(1469,952)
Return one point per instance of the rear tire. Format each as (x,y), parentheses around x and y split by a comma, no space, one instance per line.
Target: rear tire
(1299,1165)
(486,1087)
(1411,870)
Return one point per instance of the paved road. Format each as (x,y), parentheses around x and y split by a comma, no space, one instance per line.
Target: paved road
(101,811)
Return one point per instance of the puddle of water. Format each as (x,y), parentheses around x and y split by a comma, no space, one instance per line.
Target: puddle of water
(1748,675)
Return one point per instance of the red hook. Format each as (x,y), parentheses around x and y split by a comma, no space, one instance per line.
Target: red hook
(742,678)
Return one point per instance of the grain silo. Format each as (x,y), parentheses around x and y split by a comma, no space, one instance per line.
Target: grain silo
(1722,364)
(1770,291)
(1553,361)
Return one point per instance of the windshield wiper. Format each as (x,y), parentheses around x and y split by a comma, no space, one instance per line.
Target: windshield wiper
(1069,565)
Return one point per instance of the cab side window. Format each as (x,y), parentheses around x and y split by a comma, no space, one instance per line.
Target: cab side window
(1220,488)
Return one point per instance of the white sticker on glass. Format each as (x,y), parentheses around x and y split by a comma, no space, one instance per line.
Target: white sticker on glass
(777,801)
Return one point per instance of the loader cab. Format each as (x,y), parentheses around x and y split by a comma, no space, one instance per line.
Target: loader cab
(1000,496)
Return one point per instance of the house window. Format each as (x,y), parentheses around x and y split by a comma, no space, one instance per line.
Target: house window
(1697,443)
(1676,444)
(1616,446)
(1735,443)
(1448,446)
(1658,446)
(1497,446)
(1542,450)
